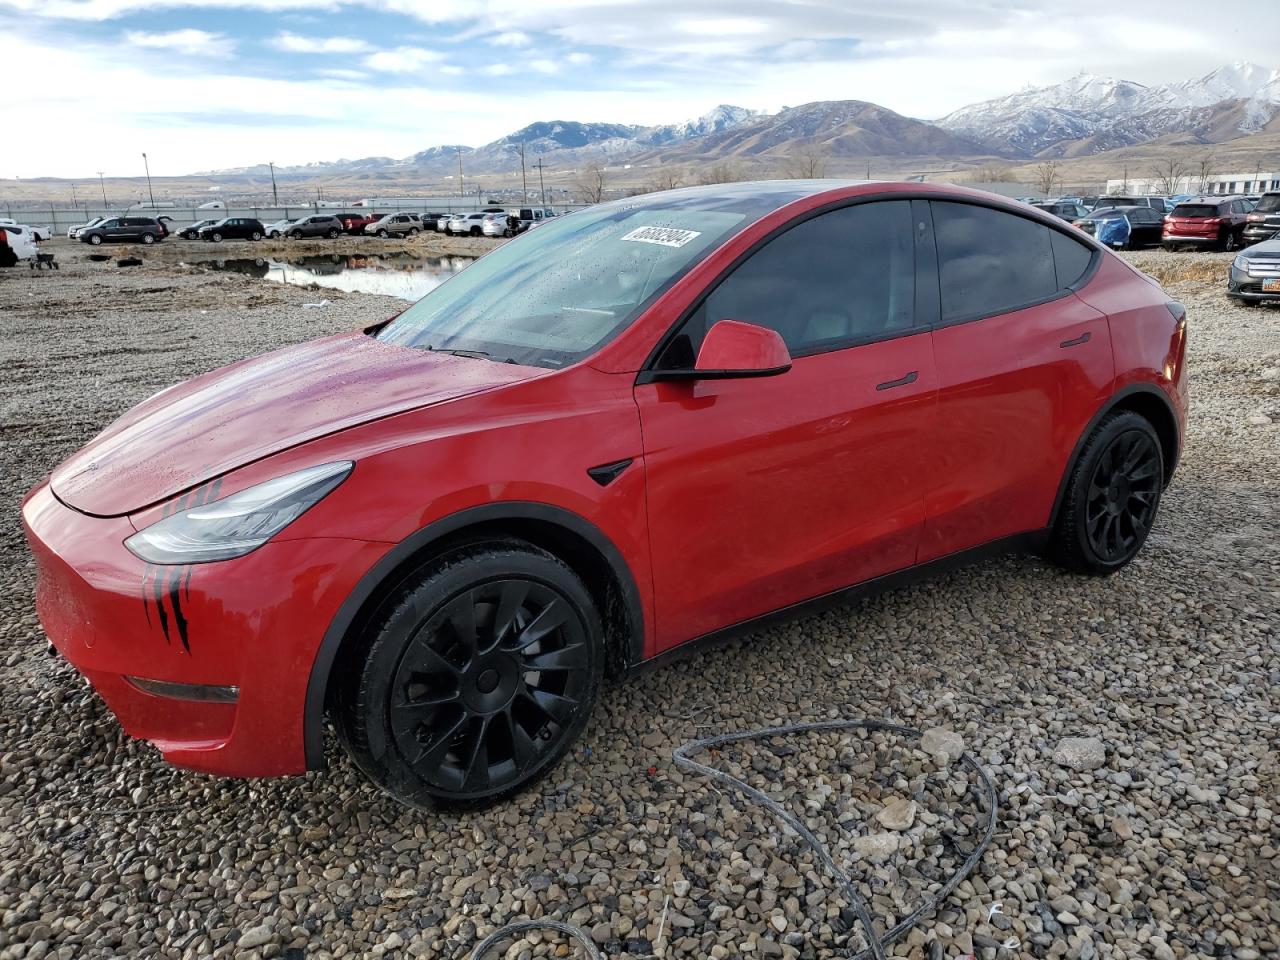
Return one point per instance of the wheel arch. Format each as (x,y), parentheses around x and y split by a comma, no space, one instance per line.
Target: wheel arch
(575,540)
(1149,402)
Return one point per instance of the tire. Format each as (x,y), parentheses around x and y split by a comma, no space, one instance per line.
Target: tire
(1230,242)
(413,231)
(275,235)
(332,234)
(296,235)
(95,239)
(1112,497)
(383,234)
(148,239)
(439,722)
(255,236)
(475,231)
(216,237)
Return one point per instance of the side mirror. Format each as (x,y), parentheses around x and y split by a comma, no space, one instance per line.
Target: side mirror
(733,349)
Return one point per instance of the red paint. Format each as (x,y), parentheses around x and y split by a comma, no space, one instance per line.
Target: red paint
(732,345)
(745,494)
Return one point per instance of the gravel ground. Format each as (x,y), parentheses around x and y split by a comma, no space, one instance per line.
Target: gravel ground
(1129,723)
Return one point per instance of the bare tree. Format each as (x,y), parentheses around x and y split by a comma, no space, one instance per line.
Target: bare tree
(665,178)
(809,163)
(1204,170)
(590,183)
(1046,176)
(725,171)
(1168,174)
(992,173)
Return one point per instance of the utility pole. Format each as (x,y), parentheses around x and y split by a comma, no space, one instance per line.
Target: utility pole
(524,185)
(102,183)
(275,198)
(541,183)
(149,193)
(74,201)
(461,191)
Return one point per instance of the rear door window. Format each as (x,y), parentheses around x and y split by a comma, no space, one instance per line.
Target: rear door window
(990,261)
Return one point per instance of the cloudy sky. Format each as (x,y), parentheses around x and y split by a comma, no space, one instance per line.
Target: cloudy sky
(203,84)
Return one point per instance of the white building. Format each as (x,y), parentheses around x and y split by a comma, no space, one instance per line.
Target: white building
(1257,181)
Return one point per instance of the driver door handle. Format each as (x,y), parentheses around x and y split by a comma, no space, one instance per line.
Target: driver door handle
(900,382)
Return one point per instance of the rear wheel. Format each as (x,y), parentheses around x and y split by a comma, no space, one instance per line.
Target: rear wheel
(413,231)
(95,239)
(332,234)
(1231,242)
(475,231)
(148,238)
(255,236)
(475,679)
(296,235)
(216,237)
(1111,498)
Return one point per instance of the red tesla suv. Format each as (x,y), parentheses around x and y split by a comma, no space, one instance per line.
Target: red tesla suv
(651,423)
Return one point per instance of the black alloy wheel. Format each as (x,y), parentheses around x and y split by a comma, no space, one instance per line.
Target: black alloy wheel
(478,680)
(1112,497)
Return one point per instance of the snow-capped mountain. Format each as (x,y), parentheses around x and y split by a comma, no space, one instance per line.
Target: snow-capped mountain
(721,118)
(1089,113)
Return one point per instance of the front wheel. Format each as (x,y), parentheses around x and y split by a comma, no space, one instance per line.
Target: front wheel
(413,231)
(332,234)
(1111,498)
(95,239)
(475,231)
(383,234)
(475,677)
(296,235)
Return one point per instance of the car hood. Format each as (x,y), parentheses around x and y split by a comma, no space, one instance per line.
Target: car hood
(198,430)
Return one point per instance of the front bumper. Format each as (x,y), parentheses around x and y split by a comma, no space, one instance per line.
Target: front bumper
(253,623)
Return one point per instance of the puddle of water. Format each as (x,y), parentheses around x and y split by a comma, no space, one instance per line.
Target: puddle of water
(398,274)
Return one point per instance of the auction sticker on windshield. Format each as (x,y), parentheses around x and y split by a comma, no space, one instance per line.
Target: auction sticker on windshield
(663,236)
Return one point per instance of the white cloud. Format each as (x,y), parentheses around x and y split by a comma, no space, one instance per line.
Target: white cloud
(499,69)
(293,43)
(511,38)
(402,59)
(579,59)
(186,42)
(543,65)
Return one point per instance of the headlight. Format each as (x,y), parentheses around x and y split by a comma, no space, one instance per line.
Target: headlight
(1240,263)
(240,523)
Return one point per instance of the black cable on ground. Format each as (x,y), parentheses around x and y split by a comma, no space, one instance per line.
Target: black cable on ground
(876,943)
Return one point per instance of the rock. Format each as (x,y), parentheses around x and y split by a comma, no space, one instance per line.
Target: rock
(254,937)
(898,815)
(945,746)
(876,846)
(1080,753)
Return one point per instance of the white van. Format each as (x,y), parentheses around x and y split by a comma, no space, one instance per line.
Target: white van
(21,241)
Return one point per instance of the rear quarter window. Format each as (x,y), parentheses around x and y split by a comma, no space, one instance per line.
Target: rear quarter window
(1071,258)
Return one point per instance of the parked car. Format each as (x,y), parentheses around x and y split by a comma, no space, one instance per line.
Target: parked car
(1062,209)
(73,233)
(192,232)
(20,244)
(125,230)
(234,228)
(1123,228)
(277,229)
(1156,203)
(434,221)
(1217,222)
(321,225)
(448,545)
(354,223)
(395,225)
(499,225)
(1255,274)
(37,232)
(467,224)
(1263,221)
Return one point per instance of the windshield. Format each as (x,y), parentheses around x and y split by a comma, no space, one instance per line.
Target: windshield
(1270,203)
(558,293)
